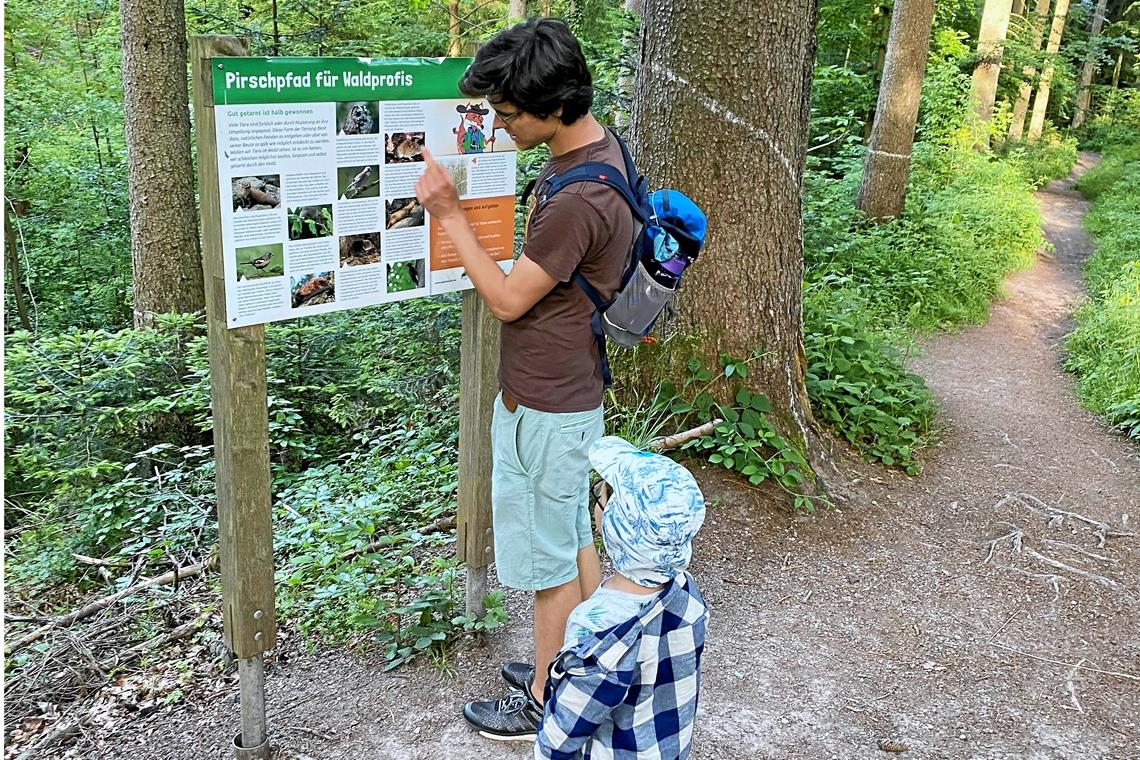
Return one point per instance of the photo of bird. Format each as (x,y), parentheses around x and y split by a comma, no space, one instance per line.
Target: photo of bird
(358,181)
(261,262)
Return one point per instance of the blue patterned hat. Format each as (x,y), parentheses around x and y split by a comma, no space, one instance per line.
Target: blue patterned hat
(653,513)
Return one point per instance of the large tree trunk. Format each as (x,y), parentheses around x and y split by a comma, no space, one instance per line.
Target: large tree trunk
(1041,101)
(516,10)
(1083,94)
(1021,106)
(164,220)
(721,113)
(991,41)
(883,190)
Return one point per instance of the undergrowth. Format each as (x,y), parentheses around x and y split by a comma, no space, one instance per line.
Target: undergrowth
(1104,349)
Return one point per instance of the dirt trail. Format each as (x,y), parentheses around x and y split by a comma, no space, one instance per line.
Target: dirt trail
(878,619)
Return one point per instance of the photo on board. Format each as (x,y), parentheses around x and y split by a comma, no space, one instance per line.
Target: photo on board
(360,249)
(358,117)
(403,147)
(260,193)
(312,289)
(406,275)
(307,222)
(358,182)
(402,213)
(257,261)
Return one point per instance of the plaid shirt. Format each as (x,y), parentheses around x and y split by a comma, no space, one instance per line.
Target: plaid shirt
(629,692)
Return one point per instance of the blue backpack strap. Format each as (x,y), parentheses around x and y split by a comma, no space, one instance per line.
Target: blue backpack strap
(600,305)
(598,173)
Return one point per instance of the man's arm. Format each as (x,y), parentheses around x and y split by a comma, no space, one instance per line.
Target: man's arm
(508,296)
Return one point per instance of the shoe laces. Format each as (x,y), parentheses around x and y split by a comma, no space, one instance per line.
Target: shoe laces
(512,703)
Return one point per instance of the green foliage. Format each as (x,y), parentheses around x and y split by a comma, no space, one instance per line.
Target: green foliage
(1117,118)
(1051,157)
(858,382)
(1104,350)
(745,440)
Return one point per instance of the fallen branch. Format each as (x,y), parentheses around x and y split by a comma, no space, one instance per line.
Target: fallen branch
(132,654)
(1076,666)
(439,526)
(1073,689)
(669,442)
(96,562)
(102,604)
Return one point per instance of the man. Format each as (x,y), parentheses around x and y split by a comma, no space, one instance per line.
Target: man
(550,408)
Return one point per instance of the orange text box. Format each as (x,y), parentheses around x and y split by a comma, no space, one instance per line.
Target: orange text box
(493,220)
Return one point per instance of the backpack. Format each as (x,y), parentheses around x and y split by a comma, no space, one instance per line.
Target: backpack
(669,236)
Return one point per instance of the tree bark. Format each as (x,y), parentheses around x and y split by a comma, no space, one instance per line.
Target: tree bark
(1021,106)
(882,192)
(516,10)
(165,251)
(454,47)
(721,113)
(1083,93)
(14,270)
(991,41)
(1116,71)
(1041,101)
(882,21)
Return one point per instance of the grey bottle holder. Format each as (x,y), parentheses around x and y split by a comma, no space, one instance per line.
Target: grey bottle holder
(638,304)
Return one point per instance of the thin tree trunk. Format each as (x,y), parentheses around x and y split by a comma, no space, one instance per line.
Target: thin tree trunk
(730,94)
(276,31)
(1116,71)
(164,223)
(626,81)
(1084,93)
(1041,101)
(545,7)
(14,270)
(516,10)
(991,41)
(883,21)
(882,192)
(1021,106)
(454,47)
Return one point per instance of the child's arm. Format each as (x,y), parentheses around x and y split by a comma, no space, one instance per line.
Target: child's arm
(581,702)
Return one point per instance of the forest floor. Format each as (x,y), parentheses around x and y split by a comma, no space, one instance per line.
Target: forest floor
(985,609)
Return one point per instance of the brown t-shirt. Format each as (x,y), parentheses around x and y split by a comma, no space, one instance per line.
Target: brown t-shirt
(549,357)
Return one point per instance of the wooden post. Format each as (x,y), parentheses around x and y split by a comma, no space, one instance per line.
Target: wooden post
(478,386)
(241,429)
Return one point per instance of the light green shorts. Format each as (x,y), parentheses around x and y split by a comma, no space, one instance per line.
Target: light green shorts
(539,493)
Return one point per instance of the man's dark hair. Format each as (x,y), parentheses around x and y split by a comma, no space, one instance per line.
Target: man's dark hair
(538,66)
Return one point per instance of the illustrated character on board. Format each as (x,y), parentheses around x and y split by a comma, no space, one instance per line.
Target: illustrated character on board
(469,137)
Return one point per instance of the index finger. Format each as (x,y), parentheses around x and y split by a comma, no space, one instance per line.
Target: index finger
(428,157)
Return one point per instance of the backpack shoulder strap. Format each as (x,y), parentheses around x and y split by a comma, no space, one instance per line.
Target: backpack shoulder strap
(596,172)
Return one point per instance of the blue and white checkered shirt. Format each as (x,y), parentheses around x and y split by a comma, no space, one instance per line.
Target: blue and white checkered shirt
(629,692)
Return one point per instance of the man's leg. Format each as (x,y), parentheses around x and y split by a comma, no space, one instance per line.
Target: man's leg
(552,607)
(589,570)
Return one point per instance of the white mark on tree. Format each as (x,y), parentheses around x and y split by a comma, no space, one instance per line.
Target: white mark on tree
(720,110)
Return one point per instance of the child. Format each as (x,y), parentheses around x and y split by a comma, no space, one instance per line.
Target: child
(625,684)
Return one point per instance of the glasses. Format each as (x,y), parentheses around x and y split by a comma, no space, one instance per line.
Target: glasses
(507,118)
(601,494)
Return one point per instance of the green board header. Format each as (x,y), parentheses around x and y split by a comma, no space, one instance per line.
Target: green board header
(247,81)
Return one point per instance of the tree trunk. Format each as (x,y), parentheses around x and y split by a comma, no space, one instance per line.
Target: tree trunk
(1083,94)
(721,113)
(1021,106)
(164,223)
(991,41)
(454,47)
(1116,71)
(882,18)
(1041,101)
(516,10)
(626,81)
(14,272)
(883,189)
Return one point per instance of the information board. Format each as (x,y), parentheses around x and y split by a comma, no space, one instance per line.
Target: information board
(317,164)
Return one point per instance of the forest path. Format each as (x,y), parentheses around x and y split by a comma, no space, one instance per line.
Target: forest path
(879,619)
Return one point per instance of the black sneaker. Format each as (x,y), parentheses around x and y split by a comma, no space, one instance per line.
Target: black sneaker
(518,674)
(514,718)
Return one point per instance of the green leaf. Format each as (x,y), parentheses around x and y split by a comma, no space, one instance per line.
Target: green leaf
(761,403)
